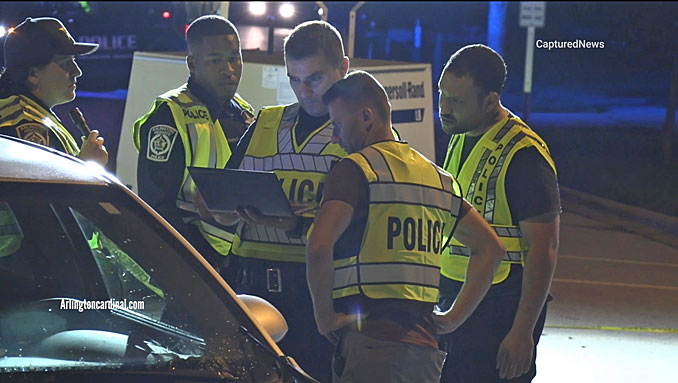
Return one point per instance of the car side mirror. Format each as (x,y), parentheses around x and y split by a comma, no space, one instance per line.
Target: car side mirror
(267,315)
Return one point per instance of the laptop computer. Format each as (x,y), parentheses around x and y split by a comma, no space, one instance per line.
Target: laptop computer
(225,189)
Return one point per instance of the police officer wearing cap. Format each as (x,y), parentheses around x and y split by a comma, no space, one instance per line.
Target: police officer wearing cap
(40,72)
(373,255)
(196,125)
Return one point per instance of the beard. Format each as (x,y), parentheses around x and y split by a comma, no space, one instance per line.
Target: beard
(455,128)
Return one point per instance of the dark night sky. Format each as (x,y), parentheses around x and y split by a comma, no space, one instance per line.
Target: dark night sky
(635,62)
(637,35)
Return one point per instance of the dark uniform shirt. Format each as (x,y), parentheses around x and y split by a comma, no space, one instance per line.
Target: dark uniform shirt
(159,182)
(29,129)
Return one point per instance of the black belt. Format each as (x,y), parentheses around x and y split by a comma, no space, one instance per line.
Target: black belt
(272,276)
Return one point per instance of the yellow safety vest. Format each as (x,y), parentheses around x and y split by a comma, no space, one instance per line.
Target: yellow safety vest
(482,179)
(302,170)
(16,109)
(413,207)
(205,146)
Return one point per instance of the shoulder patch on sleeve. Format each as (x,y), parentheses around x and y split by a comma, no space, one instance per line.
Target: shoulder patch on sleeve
(161,139)
(33,132)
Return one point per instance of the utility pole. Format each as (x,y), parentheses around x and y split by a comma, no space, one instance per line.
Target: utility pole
(532,16)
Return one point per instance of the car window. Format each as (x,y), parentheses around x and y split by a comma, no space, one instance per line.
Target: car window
(10,231)
(11,237)
(37,260)
(125,280)
(66,280)
(66,265)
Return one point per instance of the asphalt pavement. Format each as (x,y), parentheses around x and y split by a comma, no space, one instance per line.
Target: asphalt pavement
(614,317)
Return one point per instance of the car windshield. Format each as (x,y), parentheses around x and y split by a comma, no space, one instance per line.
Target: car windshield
(90,280)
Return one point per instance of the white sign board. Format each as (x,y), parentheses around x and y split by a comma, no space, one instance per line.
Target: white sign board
(532,13)
(411,95)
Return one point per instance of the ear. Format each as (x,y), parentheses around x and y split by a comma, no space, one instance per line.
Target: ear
(368,118)
(344,66)
(492,101)
(367,114)
(33,76)
(190,63)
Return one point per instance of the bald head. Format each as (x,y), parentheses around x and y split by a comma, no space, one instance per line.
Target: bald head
(361,88)
(359,110)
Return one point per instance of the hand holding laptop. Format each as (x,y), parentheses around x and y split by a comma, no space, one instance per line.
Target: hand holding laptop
(222,218)
(228,195)
(224,190)
(252,216)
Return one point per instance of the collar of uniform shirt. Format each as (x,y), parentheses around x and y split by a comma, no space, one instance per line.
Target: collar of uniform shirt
(210,101)
(307,124)
(23,90)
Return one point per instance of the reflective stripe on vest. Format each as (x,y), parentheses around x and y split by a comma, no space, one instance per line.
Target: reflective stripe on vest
(412,194)
(482,176)
(188,189)
(290,162)
(205,146)
(302,170)
(510,236)
(17,108)
(402,274)
(413,206)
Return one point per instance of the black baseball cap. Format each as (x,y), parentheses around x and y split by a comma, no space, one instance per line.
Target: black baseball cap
(36,38)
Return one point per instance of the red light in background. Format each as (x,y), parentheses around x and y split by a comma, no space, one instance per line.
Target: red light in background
(185,29)
(166,15)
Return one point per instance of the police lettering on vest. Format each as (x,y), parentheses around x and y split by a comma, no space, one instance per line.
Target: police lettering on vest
(301,169)
(482,178)
(410,213)
(426,235)
(196,114)
(302,190)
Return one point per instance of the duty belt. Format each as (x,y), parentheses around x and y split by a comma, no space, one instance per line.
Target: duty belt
(271,277)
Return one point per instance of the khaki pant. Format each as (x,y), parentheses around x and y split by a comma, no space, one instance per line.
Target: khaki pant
(361,359)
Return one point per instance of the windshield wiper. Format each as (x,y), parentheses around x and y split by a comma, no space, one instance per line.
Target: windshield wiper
(140,346)
(156,324)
